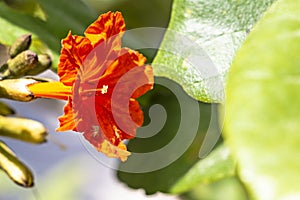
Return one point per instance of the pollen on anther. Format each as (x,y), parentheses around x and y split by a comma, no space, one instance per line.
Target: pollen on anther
(104,89)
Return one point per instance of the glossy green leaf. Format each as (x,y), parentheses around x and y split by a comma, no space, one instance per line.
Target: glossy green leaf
(210,32)
(262,105)
(217,165)
(62,16)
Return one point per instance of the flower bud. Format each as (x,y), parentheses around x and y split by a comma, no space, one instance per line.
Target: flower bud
(21,44)
(20,65)
(16,89)
(14,168)
(44,62)
(23,129)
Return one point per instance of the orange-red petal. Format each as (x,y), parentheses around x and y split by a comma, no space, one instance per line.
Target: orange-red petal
(67,121)
(74,51)
(148,77)
(120,118)
(106,26)
(127,78)
(127,59)
(126,68)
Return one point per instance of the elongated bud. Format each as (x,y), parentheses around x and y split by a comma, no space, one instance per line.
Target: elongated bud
(5,109)
(16,89)
(44,62)
(14,168)
(21,44)
(20,65)
(23,129)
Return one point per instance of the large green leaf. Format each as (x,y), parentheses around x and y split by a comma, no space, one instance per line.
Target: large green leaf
(60,17)
(201,41)
(262,105)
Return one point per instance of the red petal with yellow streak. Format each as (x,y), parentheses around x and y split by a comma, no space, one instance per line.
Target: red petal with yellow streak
(106,26)
(67,121)
(126,60)
(74,51)
(148,76)
(122,124)
(132,79)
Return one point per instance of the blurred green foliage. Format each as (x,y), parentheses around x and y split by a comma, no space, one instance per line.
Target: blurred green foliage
(227,188)
(262,108)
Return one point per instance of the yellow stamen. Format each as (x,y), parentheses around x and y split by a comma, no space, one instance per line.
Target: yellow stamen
(103,90)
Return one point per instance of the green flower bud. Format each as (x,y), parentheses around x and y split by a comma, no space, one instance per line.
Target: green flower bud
(16,89)
(44,62)
(14,168)
(23,129)
(20,65)
(21,44)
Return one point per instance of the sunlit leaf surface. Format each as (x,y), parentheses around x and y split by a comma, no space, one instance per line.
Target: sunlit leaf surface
(262,105)
(202,39)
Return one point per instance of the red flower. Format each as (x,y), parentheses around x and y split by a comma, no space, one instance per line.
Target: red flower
(100,80)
